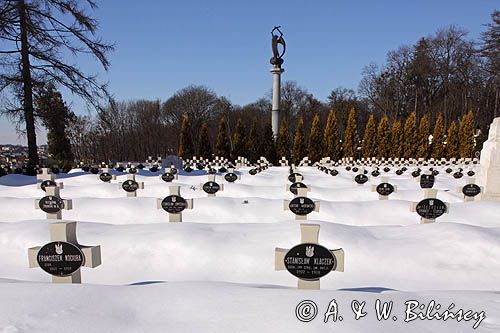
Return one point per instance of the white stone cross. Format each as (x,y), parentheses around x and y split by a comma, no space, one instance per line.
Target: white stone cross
(131,177)
(471,181)
(309,235)
(65,232)
(52,203)
(46,175)
(384,180)
(429,195)
(175,191)
(300,201)
(211,179)
(106,170)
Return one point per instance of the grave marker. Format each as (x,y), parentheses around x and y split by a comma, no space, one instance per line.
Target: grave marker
(301,205)
(309,261)
(430,208)
(131,186)
(211,187)
(52,204)
(471,190)
(63,256)
(384,189)
(174,204)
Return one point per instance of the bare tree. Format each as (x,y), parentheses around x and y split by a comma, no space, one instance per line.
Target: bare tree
(35,34)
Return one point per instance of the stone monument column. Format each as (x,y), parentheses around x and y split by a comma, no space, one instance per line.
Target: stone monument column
(276,100)
(489,175)
(276,61)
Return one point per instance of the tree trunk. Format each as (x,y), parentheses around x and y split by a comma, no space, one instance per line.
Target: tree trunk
(27,88)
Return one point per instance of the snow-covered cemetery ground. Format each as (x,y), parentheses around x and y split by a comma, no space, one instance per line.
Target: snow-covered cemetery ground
(215,271)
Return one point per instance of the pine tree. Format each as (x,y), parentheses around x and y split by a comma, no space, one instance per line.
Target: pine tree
(239,136)
(423,138)
(185,140)
(410,136)
(383,146)
(253,144)
(315,143)
(369,138)
(283,142)
(331,142)
(55,116)
(466,135)
(452,148)
(438,137)
(204,146)
(222,147)
(268,146)
(299,147)
(350,135)
(397,139)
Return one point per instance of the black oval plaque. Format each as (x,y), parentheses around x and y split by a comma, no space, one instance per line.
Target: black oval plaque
(470,173)
(132,170)
(375,173)
(387,169)
(449,170)
(200,166)
(222,169)
(309,261)
(415,173)
(458,175)
(130,185)
(85,168)
(471,190)
(231,177)
(55,170)
(301,206)
(334,172)
(399,172)
(355,169)
(211,187)
(105,177)
(435,173)
(188,169)
(431,208)
(295,186)
(348,168)
(60,258)
(292,178)
(94,170)
(51,204)
(361,179)
(212,171)
(426,181)
(47,183)
(252,172)
(174,204)
(168,177)
(385,189)
(154,168)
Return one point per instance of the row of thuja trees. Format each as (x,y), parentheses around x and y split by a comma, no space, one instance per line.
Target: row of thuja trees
(411,138)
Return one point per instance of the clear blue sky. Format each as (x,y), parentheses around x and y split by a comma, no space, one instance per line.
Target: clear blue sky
(163,46)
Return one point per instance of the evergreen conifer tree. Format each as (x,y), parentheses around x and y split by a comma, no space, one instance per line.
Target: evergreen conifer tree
(423,138)
(349,143)
(185,140)
(369,138)
(410,136)
(204,146)
(253,144)
(283,142)
(222,147)
(383,145)
(331,142)
(452,147)
(466,135)
(397,140)
(239,136)
(315,143)
(299,148)
(438,138)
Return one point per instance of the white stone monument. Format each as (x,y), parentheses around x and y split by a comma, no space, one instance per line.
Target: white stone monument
(489,175)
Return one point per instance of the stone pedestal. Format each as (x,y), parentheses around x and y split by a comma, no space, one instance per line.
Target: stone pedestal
(489,175)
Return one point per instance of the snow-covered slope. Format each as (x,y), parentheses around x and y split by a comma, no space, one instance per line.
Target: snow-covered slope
(215,271)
